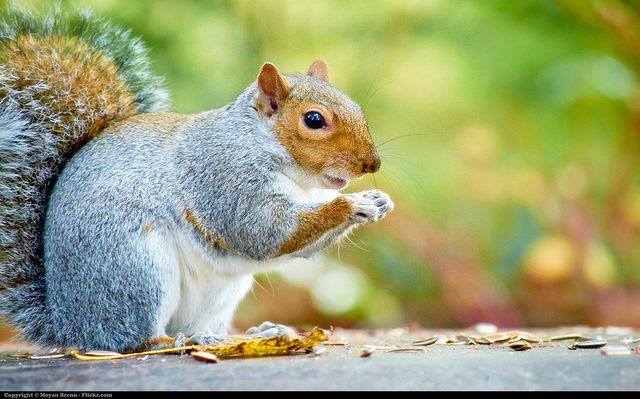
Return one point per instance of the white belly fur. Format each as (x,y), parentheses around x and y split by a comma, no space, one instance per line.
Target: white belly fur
(202,292)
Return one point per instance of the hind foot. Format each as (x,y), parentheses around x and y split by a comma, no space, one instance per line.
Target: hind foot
(270,330)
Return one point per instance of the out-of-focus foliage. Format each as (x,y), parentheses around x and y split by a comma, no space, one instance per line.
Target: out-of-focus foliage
(510,137)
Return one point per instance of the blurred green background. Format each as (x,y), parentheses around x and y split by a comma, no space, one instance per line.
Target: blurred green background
(511,134)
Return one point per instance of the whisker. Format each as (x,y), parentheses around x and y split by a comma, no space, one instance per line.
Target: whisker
(407,166)
(348,243)
(399,157)
(401,137)
(374,88)
(253,290)
(268,275)
(409,189)
(270,293)
(391,186)
(356,245)
(371,95)
(406,185)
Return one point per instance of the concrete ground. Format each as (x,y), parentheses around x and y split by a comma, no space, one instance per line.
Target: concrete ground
(547,366)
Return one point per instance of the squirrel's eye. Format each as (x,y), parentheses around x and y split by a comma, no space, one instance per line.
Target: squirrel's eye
(314,120)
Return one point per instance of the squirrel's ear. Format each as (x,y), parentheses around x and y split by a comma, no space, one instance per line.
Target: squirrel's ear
(272,89)
(319,69)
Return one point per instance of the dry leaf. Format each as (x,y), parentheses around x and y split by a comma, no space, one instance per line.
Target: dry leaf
(282,345)
(239,347)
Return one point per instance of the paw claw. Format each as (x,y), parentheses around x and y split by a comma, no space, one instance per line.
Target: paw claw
(373,194)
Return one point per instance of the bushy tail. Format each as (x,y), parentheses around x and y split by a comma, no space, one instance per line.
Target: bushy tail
(63,78)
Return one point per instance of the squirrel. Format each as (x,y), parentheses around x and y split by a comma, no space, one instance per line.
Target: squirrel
(122,224)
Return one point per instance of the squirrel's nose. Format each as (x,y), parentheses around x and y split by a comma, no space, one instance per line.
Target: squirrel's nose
(372,165)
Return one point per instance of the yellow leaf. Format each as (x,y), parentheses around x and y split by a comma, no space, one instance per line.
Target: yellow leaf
(551,259)
(240,346)
(282,345)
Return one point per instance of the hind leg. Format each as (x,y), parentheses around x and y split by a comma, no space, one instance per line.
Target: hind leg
(110,302)
(104,289)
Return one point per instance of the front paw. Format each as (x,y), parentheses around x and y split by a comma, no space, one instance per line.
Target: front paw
(369,206)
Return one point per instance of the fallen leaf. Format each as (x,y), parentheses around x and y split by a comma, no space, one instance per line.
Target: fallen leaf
(240,346)
(281,345)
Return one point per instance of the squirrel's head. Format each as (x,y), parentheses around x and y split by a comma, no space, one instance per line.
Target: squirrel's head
(323,129)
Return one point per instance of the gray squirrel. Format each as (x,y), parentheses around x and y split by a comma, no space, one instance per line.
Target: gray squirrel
(123,225)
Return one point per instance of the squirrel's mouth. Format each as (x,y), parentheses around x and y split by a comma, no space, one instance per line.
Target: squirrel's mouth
(335,183)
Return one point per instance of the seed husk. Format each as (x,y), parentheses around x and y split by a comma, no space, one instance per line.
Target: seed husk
(615,351)
(460,339)
(529,338)
(410,350)
(481,340)
(519,345)
(426,342)
(102,353)
(318,350)
(25,355)
(205,356)
(496,338)
(334,343)
(366,352)
(51,356)
(445,340)
(565,337)
(590,344)
(583,339)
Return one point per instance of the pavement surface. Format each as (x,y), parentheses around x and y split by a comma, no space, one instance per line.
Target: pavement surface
(548,365)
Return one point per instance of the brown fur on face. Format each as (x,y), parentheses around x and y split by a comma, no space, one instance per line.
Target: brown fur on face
(344,146)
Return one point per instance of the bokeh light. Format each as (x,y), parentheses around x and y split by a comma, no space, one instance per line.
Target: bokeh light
(510,139)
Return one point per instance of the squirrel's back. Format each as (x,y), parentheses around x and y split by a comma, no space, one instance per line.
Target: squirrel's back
(63,78)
